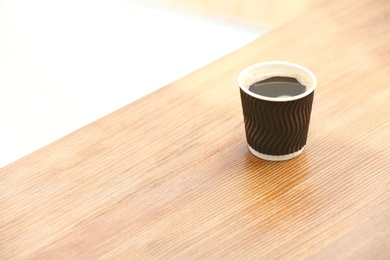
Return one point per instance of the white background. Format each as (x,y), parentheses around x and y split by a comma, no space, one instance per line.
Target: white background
(64,64)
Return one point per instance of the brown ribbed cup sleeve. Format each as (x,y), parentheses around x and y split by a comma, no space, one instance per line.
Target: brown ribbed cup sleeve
(276,128)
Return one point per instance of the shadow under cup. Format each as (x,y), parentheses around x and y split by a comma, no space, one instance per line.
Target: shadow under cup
(276,127)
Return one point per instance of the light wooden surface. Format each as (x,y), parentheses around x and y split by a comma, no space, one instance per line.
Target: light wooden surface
(257,13)
(170,176)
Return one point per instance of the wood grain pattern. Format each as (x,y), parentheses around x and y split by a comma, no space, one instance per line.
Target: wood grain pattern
(170,176)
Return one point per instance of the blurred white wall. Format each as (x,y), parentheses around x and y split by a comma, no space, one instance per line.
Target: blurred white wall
(64,64)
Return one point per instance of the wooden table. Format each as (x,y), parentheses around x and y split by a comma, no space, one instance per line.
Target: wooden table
(170,175)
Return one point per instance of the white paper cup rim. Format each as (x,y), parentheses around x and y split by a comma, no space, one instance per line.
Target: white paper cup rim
(268,69)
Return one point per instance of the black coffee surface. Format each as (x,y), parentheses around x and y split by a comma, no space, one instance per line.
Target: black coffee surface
(278,87)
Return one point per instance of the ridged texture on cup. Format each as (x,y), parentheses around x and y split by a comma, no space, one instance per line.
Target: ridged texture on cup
(276,128)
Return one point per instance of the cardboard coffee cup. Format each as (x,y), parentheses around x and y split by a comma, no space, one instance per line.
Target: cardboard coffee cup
(276,116)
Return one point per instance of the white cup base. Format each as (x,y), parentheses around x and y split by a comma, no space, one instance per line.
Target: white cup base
(269,157)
